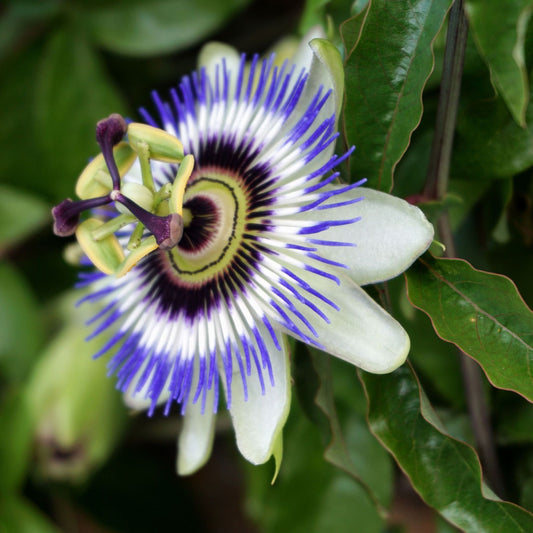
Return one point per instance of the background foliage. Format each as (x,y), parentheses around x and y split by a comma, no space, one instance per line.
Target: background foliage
(360,449)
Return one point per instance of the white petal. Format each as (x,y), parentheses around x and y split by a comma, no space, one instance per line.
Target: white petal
(138,400)
(389,237)
(325,73)
(196,437)
(360,332)
(259,420)
(327,70)
(324,64)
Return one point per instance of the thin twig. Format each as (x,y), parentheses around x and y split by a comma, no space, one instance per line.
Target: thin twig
(436,188)
(452,71)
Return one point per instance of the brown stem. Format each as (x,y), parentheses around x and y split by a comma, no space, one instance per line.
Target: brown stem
(452,71)
(436,188)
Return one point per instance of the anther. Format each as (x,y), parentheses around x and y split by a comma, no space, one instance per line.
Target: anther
(167,230)
(109,132)
(67,213)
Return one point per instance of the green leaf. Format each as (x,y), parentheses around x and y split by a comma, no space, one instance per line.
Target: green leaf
(362,459)
(16,423)
(20,215)
(73,92)
(444,471)
(389,58)
(310,495)
(17,134)
(470,192)
(328,14)
(514,420)
(21,333)
(141,28)
(313,14)
(516,261)
(482,313)
(499,30)
(488,143)
(18,515)
(435,361)
(21,20)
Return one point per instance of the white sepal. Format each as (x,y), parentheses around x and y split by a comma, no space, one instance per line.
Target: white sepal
(389,236)
(259,420)
(195,440)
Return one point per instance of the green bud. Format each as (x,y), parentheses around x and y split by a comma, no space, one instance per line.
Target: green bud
(78,413)
(162,146)
(95,180)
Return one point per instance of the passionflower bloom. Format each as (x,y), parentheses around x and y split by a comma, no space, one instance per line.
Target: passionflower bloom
(219,227)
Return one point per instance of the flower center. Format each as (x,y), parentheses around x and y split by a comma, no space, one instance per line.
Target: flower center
(215,208)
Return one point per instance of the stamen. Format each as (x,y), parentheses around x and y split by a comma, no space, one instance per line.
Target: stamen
(166,230)
(143,151)
(67,213)
(112,226)
(135,237)
(109,132)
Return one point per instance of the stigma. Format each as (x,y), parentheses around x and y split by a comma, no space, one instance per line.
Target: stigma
(155,213)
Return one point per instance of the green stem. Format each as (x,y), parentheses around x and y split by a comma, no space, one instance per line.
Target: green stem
(436,188)
(112,226)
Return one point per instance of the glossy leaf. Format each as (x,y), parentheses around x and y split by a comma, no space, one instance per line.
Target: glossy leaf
(434,360)
(388,61)
(482,313)
(142,28)
(20,215)
(444,471)
(488,142)
(73,93)
(499,31)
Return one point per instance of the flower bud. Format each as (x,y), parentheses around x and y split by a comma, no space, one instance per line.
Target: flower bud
(77,411)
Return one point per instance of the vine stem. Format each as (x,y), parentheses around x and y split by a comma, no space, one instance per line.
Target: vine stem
(436,188)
